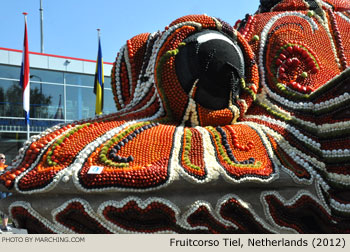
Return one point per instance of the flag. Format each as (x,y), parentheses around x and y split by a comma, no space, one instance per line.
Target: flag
(24,80)
(99,81)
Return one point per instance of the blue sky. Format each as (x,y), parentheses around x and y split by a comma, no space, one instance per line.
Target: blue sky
(70,25)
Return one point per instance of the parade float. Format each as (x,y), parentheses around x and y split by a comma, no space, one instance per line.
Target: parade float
(218,129)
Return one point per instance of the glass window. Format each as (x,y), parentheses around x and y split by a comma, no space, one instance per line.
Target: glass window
(107,82)
(10,72)
(80,79)
(109,104)
(46,101)
(11,104)
(84,80)
(2,99)
(80,103)
(46,76)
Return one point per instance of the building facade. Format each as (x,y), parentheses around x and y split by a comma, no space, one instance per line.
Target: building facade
(61,90)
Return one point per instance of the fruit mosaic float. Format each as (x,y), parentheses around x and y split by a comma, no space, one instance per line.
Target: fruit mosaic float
(219,129)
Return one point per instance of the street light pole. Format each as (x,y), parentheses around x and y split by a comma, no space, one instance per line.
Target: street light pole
(41,26)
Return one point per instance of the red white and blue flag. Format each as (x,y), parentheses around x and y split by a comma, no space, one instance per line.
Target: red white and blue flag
(24,80)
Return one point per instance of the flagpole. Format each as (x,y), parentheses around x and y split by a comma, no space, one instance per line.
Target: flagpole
(41,27)
(98,34)
(28,129)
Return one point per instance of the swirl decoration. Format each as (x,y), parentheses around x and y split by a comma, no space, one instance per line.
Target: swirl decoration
(217,130)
